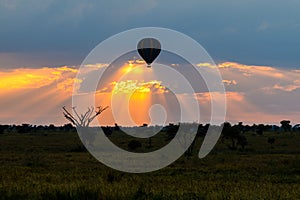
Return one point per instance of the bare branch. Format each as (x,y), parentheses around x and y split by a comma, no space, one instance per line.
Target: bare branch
(92,110)
(74,109)
(98,112)
(70,117)
(85,119)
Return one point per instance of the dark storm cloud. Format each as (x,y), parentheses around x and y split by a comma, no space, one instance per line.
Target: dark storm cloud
(251,31)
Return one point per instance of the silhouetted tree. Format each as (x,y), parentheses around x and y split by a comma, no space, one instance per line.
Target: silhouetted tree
(83,120)
(201,132)
(240,126)
(225,131)
(68,127)
(233,133)
(247,128)
(285,124)
(3,128)
(107,130)
(171,130)
(260,129)
(117,128)
(24,128)
(51,127)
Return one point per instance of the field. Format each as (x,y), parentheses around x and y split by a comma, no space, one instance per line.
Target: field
(54,165)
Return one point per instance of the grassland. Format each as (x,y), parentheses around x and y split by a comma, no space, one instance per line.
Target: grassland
(54,165)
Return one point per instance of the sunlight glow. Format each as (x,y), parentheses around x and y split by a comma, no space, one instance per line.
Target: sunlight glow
(25,78)
(131,68)
(130,86)
(36,95)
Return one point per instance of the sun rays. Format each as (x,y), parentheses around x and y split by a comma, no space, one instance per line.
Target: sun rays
(37,95)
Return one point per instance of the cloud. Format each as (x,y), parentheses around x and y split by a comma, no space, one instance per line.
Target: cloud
(96,66)
(206,65)
(76,27)
(254,90)
(24,78)
(229,82)
(264,91)
(288,88)
(250,77)
(37,95)
(251,91)
(134,86)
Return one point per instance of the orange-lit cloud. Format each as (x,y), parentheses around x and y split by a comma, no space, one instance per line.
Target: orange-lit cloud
(130,86)
(264,91)
(210,65)
(24,78)
(229,82)
(37,95)
(96,66)
(248,70)
(287,88)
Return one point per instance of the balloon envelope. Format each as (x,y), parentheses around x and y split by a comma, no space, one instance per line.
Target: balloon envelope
(149,49)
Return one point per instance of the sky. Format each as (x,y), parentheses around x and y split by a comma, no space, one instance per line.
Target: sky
(54,33)
(255,43)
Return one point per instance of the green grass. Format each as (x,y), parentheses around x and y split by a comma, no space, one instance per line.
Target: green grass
(55,166)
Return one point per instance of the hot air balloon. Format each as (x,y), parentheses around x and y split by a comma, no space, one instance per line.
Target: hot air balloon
(149,49)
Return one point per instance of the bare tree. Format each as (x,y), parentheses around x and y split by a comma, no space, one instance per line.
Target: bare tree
(83,120)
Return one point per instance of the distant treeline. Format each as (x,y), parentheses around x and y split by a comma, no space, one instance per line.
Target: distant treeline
(202,128)
(28,128)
